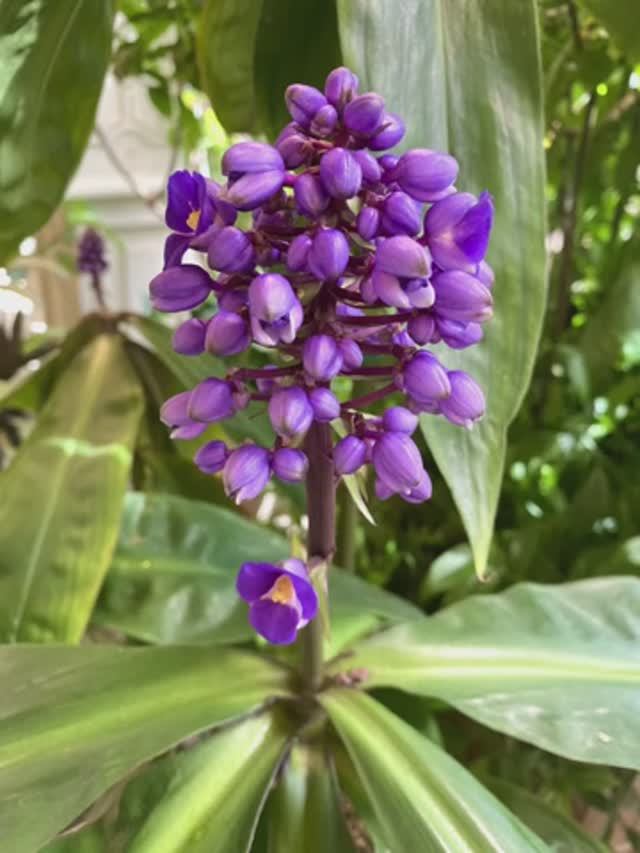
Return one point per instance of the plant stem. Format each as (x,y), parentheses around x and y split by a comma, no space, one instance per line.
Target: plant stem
(321,509)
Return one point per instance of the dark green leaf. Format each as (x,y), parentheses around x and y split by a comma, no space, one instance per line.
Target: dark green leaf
(54,57)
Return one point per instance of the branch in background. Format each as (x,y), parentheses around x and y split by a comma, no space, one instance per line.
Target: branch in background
(148,201)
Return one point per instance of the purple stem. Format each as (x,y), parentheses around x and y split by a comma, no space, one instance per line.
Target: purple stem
(372,397)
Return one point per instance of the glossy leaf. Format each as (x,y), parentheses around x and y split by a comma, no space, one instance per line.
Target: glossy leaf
(470,84)
(213,803)
(173,574)
(622,23)
(422,798)
(62,497)
(304,812)
(54,57)
(557,666)
(74,721)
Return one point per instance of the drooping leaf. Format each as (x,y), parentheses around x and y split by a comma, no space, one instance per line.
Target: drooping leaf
(621,21)
(74,721)
(62,497)
(214,800)
(172,578)
(422,798)
(469,83)
(54,57)
(556,666)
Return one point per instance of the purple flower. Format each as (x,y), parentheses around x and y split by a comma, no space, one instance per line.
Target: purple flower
(465,405)
(368,223)
(212,400)
(363,115)
(188,338)
(174,412)
(290,412)
(253,189)
(417,495)
(351,353)
(340,87)
(324,121)
(329,254)
(403,257)
(461,297)
(398,465)
(180,288)
(371,171)
(321,357)
(325,405)
(485,274)
(425,380)
(349,454)
(293,146)
(457,230)
(401,215)
(303,102)
(251,158)
(459,335)
(212,457)
(426,175)
(91,254)
(190,209)
(246,472)
(227,334)
(310,195)
(281,599)
(402,293)
(290,465)
(422,328)
(230,250)
(340,173)
(399,419)
(391,132)
(298,252)
(276,312)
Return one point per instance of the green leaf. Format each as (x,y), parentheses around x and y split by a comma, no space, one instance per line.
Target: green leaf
(304,812)
(422,798)
(54,57)
(556,666)
(561,833)
(470,84)
(62,497)
(172,578)
(214,801)
(621,21)
(74,721)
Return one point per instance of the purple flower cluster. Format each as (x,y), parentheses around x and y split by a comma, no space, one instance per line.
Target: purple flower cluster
(354,261)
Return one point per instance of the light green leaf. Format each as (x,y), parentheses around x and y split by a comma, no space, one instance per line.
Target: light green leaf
(422,798)
(304,812)
(62,497)
(622,22)
(215,798)
(74,721)
(54,57)
(466,75)
(557,666)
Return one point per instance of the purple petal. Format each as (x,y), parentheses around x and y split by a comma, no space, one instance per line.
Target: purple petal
(277,623)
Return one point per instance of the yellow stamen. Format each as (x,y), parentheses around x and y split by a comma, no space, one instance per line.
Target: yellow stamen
(283,591)
(193,219)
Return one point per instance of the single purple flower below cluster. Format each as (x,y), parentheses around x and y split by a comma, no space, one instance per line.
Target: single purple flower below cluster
(356,263)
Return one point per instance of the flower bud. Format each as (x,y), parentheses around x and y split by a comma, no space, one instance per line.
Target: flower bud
(174,412)
(187,432)
(485,274)
(399,419)
(246,472)
(290,412)
(310,195)
(424,379)
(421,492)
(422,328)
(367,291)
(321,357)
(232,300)
(340,173)
(459,335)
(303,102)
(458,229)
(368,222)
(252,190)
(230,250)
(180,288)
(251,158)
(465,404)
(349,454)
(188,338)
(397,462)
(461,297)
(290,465)
(371,171)
(351,353)
(211,400)
(363,115)
(388,162)
(276,313)
(400,215)
(425,174)
(420,293)
(340,87)
(325,405)
(403,257)
(295,149)
(392,132)
(329,254)
(299,252)
(227,334)
(324,121)
(211,457)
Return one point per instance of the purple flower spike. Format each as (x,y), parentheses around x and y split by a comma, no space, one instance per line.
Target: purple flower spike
(392,132)
(281,599)
(252,190)
(321,357)
(426,175)
(211,400)
(329,254)
(399,419)
(368,223)
(324,121)
(403,257)
(363,115)
(188,338)
(465,405)
(458,229)
(349,454)
(425,380)
(298,252)
(230,250)
(340,173)
(180,288)
(227,334)
(211,457)
(461,297)
(397,463)
(246,472)
(190,208)
(401,215)
(325,405)
(290,412)
(340,87)
(174,412)
(250,158)
(310,195)
(290,465)
(303,102)
(276,313)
